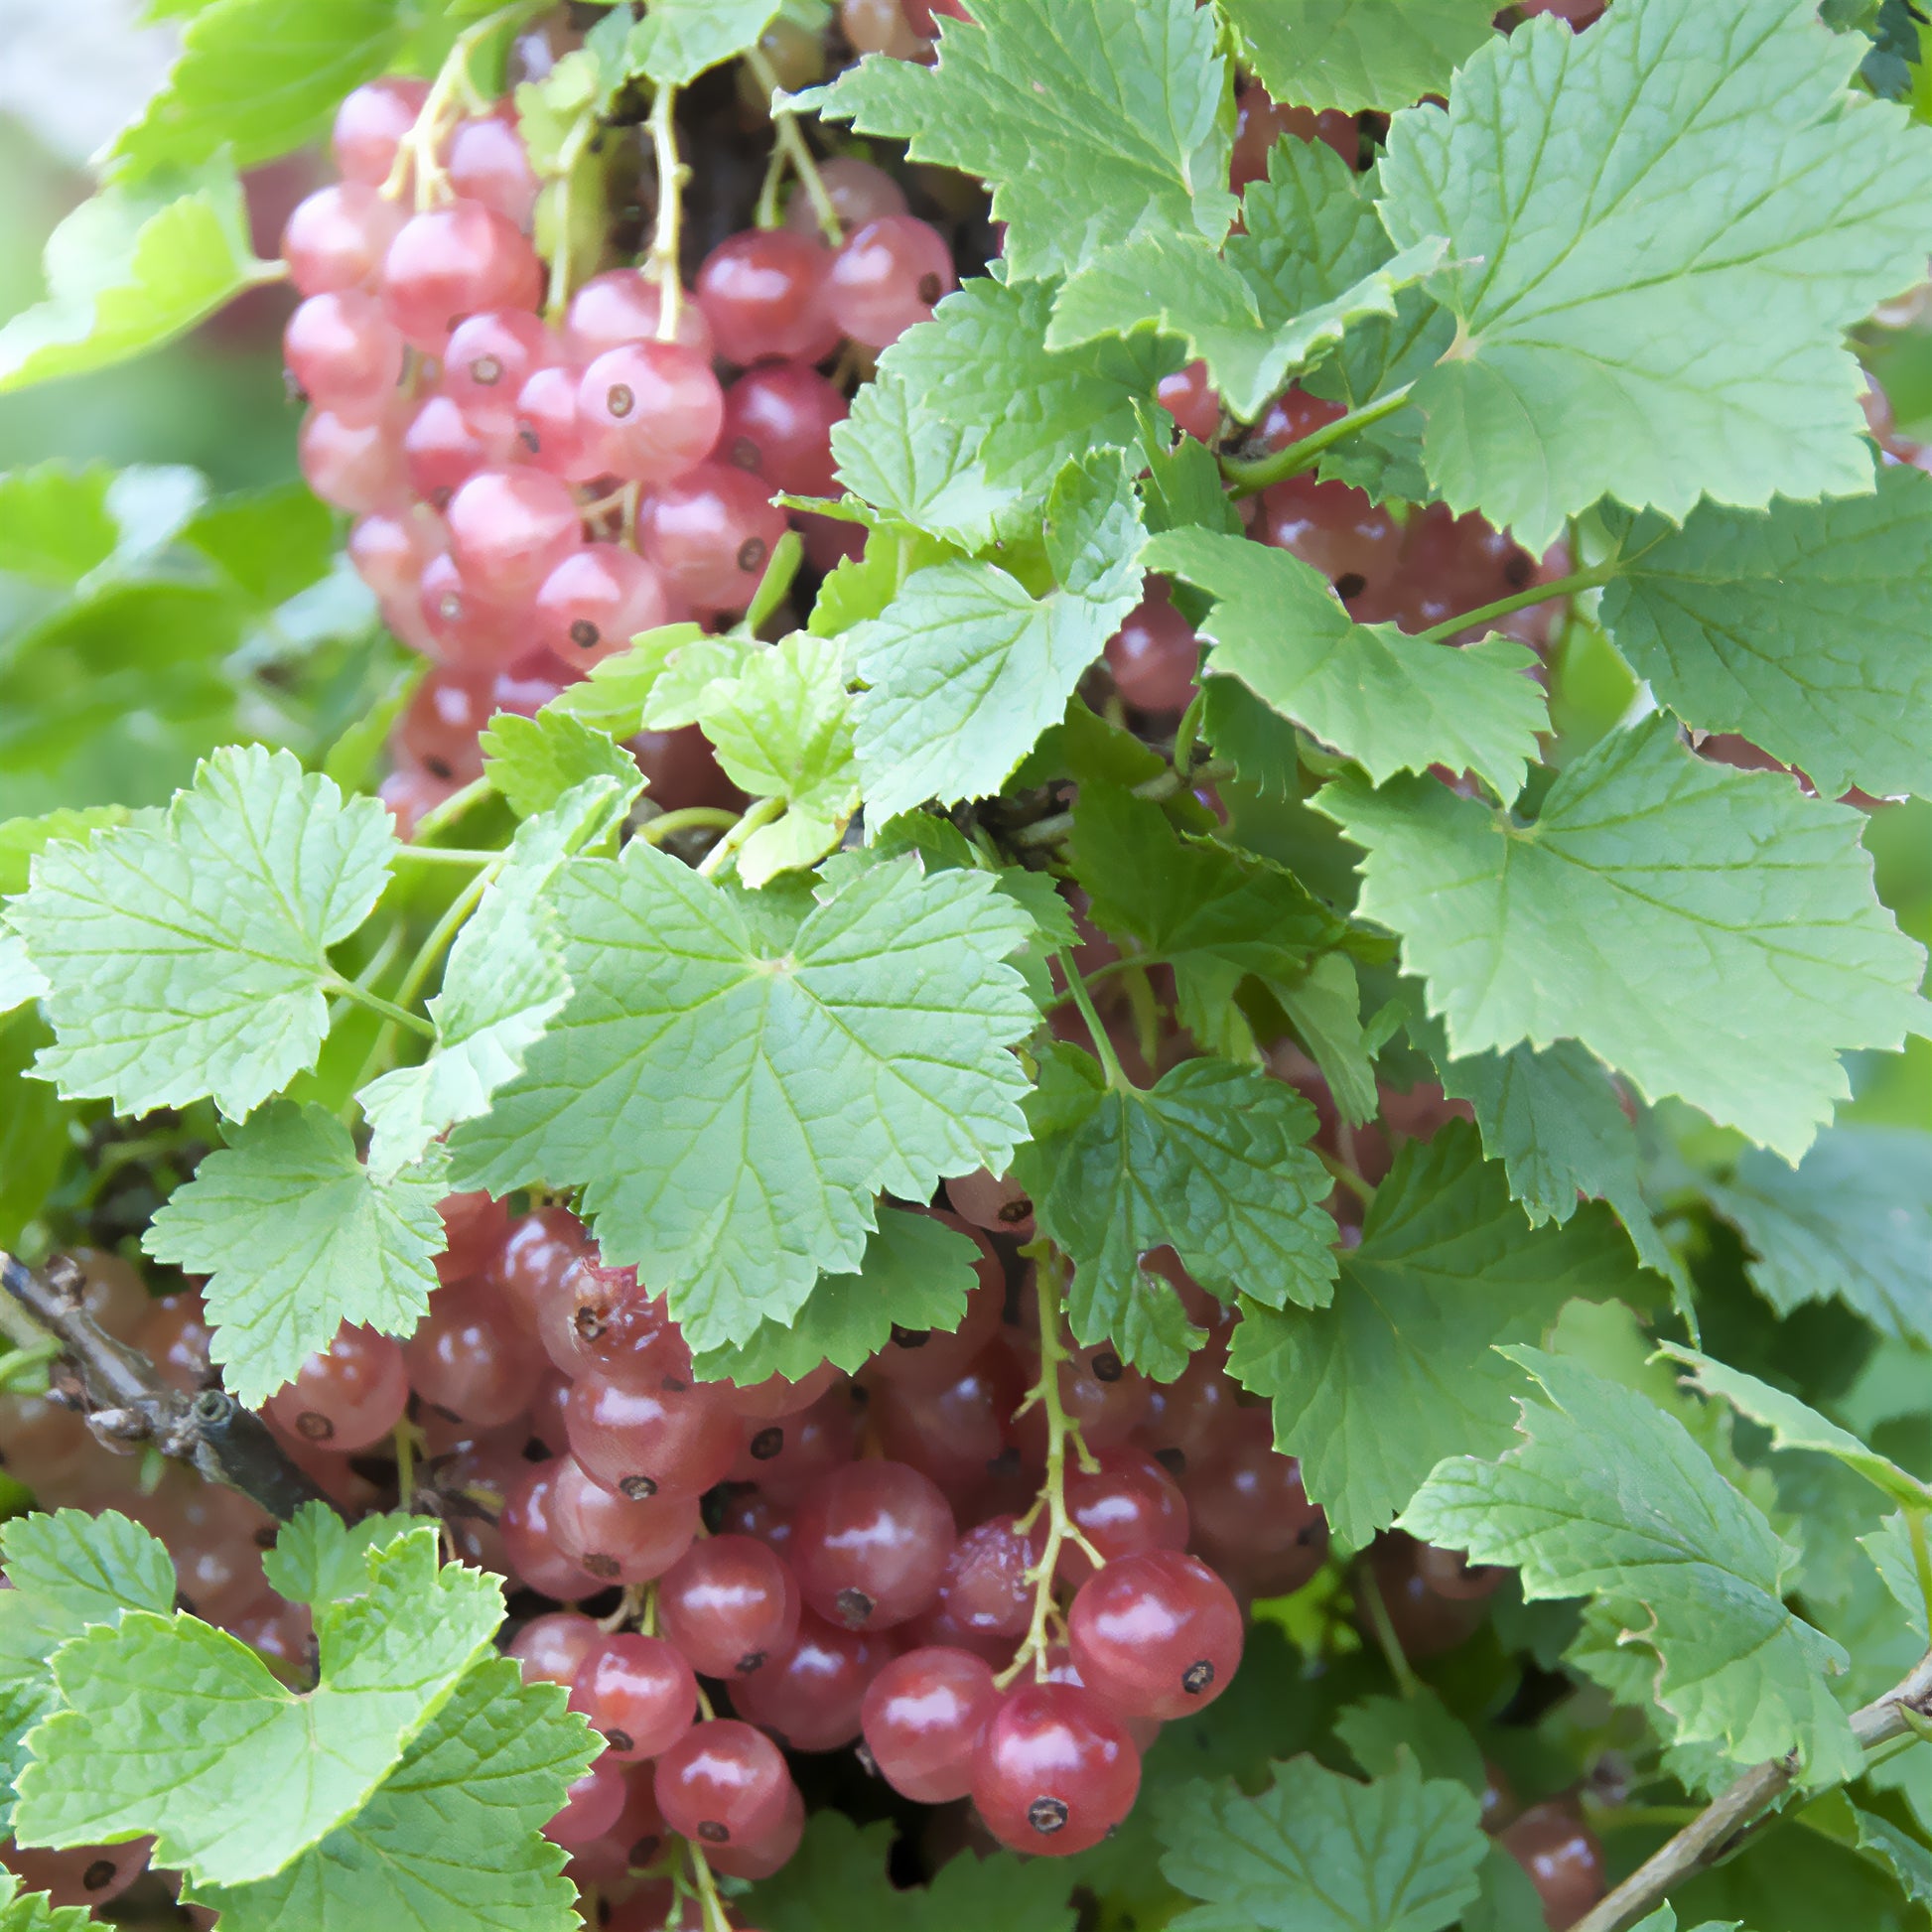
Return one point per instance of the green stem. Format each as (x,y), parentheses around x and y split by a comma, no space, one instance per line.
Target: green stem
(427,954)
(1060,1527)
(714,817)
(1363,1191)
(1186,732)
(443,816)
(394,1014)
(1578,580)
(784,124)
(405,1442)
(417,149)
(721,854)
(706,1888)
(1102,1046)
(1164,785)
(568,156)
(664,240)
(1368,1594)
(1126,963)
(446,855)
(1278,466)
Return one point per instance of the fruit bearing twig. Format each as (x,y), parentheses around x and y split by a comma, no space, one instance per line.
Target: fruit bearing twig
(127,1401)
(1060,1527)
(1717,1829)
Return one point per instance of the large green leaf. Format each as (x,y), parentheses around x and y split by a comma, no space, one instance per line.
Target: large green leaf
(1089,120)
(737,1075)
(1357,53)
(1609,1497)
(1671,915)
(1659,231)
(1399,1369)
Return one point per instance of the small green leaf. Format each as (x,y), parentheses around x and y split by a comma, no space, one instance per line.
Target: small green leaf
(130,269)
(1320,1853)
(916,1274)
(320,1559)
(1399,1369)
(1640,917)
(1380,1730)
(298,1237)
(171,1728)
(1311,260)
(35,1911)
(677,40)
(737,1075)
(187,950)
(965,668)
(782,729)
(1215,914)
(615,695)
(534,761)
(1211,1161)
(504,985)
(1088,121)
(1357,53)
(1390,701)
(1802,626)
(1588,358)
(258,79)
(1610,1498)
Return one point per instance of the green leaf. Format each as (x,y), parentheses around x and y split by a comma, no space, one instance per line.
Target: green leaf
(270,542)
(1357,53)
(130,269)
(54,521)
(677,40)
(258,79)
(965,668)
(189,950)
(504,985)
(172,1727)
(1089,122)
(1400,1370)
(837,1879)
(1313,259)
(1325,1006)
(1554,1121)
(1320,1853)
(1664,1919)
(920,471)
(534,761)
(69,1572)
(1639,915)
(1379,1731)
(1215,914)
(37,1129)
(1390,701)
(1609,1497)
(736,1077)
(19,979)
(916,1274)
(1854,1220)
(982,365)
(782,729)
(1795,1425)
(298,1237)
(22,838)
(1889,1546)
(34,1912)
(320,1559)
(617,693)
(1909,1861)
(450,1839)
(1651,275)
(1211,1160)
(1802,626)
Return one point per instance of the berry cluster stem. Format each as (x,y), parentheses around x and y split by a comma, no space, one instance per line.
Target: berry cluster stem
(1060,1431)
(452,86)
(792,145)
(701,1886)
(666,235)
